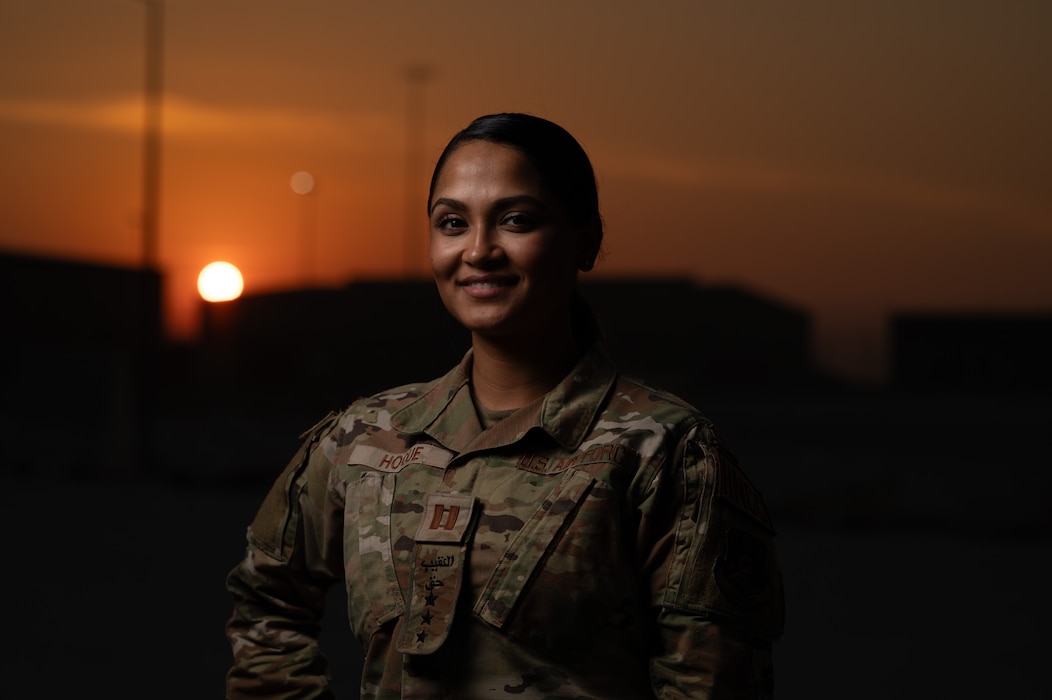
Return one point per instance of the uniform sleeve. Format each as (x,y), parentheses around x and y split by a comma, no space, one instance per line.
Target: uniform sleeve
(709,559)
(293,555)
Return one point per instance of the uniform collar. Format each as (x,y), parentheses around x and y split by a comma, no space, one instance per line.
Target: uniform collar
(446,411)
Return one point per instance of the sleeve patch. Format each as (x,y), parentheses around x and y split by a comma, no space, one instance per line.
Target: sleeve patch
(735,488)
(273,527)
(741,570)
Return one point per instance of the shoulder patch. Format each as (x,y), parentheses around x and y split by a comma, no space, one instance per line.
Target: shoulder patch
(742,569)
(735,488)
(272,528)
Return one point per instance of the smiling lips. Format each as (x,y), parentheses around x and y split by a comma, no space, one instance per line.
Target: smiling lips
(486,286)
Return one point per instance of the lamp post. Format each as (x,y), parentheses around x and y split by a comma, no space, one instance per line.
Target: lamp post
(151,156)
(140,401)
(304,185)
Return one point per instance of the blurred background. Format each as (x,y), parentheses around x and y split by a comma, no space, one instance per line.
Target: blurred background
(828,225)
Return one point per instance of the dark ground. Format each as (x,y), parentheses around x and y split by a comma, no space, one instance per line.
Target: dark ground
(914,540)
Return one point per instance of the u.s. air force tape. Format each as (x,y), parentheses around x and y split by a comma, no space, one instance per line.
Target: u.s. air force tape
(438,571)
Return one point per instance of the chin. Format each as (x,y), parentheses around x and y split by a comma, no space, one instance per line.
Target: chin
(491,327)
(485,321)
(478,317)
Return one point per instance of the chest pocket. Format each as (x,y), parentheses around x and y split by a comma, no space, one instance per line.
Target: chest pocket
(530,547)
(372,584)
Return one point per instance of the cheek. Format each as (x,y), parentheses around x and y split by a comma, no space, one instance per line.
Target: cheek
(554,262)
(441,254)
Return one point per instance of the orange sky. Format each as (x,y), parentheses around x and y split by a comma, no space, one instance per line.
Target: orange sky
(850,158)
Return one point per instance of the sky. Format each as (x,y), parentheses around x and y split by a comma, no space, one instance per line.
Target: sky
(849,158)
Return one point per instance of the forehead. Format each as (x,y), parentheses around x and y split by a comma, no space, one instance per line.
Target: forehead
(482,167)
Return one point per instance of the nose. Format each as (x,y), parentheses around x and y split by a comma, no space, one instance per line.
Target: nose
(482,248)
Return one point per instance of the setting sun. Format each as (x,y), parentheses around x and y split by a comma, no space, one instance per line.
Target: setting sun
(220,281)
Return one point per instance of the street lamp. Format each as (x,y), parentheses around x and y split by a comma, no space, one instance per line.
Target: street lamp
(151,181)
(303,185)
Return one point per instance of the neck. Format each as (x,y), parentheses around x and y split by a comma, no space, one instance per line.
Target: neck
(510,372)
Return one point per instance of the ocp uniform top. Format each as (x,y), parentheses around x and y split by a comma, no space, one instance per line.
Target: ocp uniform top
(600,542)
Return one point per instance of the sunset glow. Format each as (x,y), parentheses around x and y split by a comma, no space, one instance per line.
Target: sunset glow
(849,160)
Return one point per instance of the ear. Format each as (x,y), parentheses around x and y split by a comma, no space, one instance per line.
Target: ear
(591,242)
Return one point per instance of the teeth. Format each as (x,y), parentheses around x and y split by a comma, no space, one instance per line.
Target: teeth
(485,285)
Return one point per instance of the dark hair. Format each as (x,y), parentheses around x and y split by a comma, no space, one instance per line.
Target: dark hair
(563,165)
(565,170)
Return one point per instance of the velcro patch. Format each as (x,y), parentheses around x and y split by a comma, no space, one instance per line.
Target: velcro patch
(438,571)
(741,570)
(618,455)
(735,488)
(446,518)
(384,461)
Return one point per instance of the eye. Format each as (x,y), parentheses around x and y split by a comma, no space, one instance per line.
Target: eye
(450,223)
(517,221)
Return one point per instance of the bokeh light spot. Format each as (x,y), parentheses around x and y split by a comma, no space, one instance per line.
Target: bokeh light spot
(302,182)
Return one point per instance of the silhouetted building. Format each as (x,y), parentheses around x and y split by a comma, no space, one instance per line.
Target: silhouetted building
(972,352)
(269,365)
(332,345)
(688,337)
(78,370)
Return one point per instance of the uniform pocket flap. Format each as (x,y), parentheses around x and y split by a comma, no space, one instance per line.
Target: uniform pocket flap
(530,547)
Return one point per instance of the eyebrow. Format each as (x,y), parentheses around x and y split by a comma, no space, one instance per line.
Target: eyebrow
(503,203)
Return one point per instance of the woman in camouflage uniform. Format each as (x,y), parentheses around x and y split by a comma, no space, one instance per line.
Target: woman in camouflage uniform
(532,524)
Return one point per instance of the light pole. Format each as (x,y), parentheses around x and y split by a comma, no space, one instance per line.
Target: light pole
(151,156)
(304,185)
(140,399)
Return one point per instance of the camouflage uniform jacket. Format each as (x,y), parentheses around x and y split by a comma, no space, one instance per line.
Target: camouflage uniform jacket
(599,543)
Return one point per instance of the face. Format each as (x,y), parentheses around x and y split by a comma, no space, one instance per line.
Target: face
(503,253)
